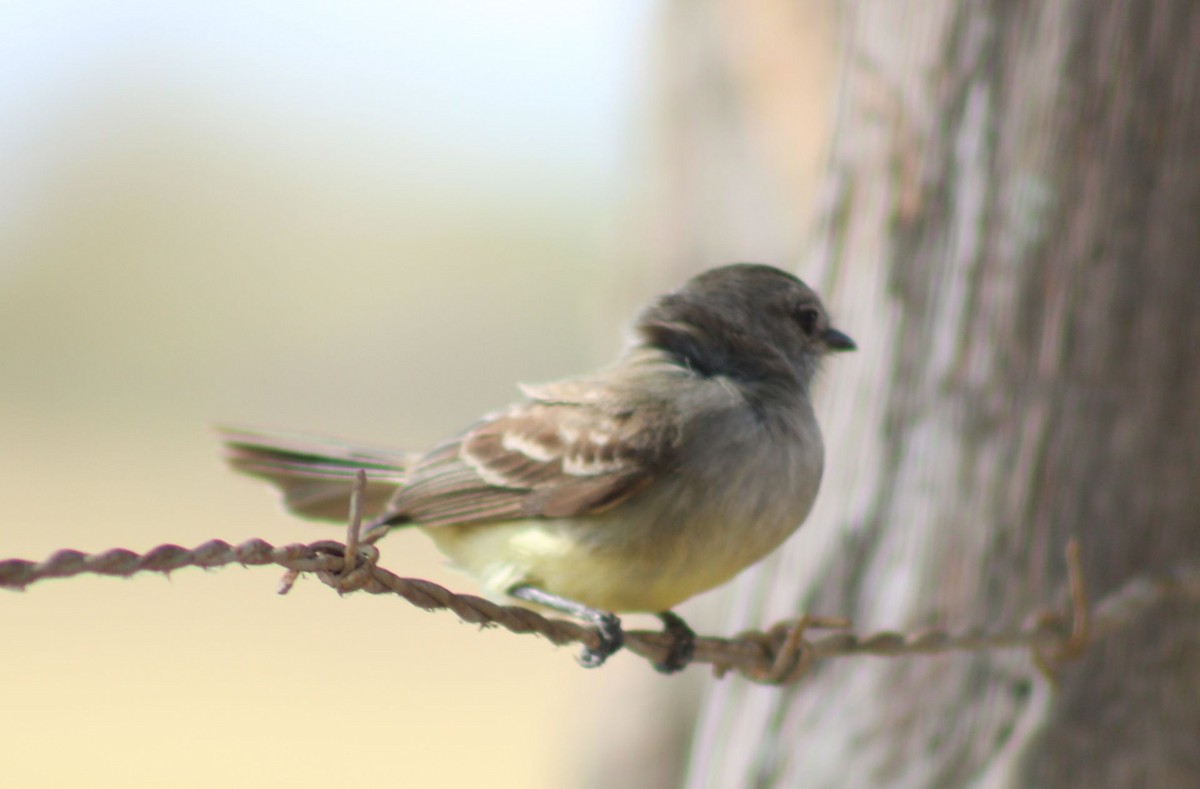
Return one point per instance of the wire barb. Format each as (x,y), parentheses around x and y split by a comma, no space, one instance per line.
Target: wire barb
(1048,658)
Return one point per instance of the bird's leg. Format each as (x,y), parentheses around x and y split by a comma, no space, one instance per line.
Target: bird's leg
(683,643)
(608,625)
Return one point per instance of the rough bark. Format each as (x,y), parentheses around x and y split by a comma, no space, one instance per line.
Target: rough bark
(1012,234)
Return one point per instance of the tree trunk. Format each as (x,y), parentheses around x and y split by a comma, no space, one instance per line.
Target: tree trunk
(1011,232)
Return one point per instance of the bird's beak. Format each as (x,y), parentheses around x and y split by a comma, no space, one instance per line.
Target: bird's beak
(836,341)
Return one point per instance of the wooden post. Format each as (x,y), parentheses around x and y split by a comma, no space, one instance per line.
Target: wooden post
(1011,231)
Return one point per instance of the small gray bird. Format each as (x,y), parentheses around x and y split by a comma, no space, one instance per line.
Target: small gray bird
(629,489)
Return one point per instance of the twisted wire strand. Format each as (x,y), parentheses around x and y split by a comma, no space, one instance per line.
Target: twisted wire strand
(779,654)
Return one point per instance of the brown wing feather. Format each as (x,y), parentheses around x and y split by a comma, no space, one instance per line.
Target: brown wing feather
(538,459)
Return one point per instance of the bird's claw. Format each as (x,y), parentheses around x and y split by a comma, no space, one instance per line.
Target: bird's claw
(612,638)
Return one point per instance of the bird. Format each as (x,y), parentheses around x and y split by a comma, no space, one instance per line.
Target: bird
(625,490)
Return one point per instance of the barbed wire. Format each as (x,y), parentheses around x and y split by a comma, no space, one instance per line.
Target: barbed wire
(778,655)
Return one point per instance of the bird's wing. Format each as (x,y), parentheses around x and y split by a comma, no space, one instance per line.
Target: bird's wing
(570,450)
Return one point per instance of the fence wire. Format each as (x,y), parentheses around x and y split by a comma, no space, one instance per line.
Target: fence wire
(777,655)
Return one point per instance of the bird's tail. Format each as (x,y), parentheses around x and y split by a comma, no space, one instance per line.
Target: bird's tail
(316,476)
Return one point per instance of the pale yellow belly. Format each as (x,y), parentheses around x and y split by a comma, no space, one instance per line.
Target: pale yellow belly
(543,553)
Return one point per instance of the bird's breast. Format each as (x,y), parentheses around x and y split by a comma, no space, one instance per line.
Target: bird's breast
(741,491)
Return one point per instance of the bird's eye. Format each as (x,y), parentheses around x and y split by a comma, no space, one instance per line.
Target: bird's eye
(807,317)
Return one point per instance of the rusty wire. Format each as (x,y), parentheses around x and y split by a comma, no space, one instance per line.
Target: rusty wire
(776,656)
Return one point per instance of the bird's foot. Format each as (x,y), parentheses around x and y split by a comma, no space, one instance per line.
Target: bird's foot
(612,638)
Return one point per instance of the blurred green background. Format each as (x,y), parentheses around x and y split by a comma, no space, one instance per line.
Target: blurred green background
(366,220)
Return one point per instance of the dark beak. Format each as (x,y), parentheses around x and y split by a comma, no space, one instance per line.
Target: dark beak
(836,341)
